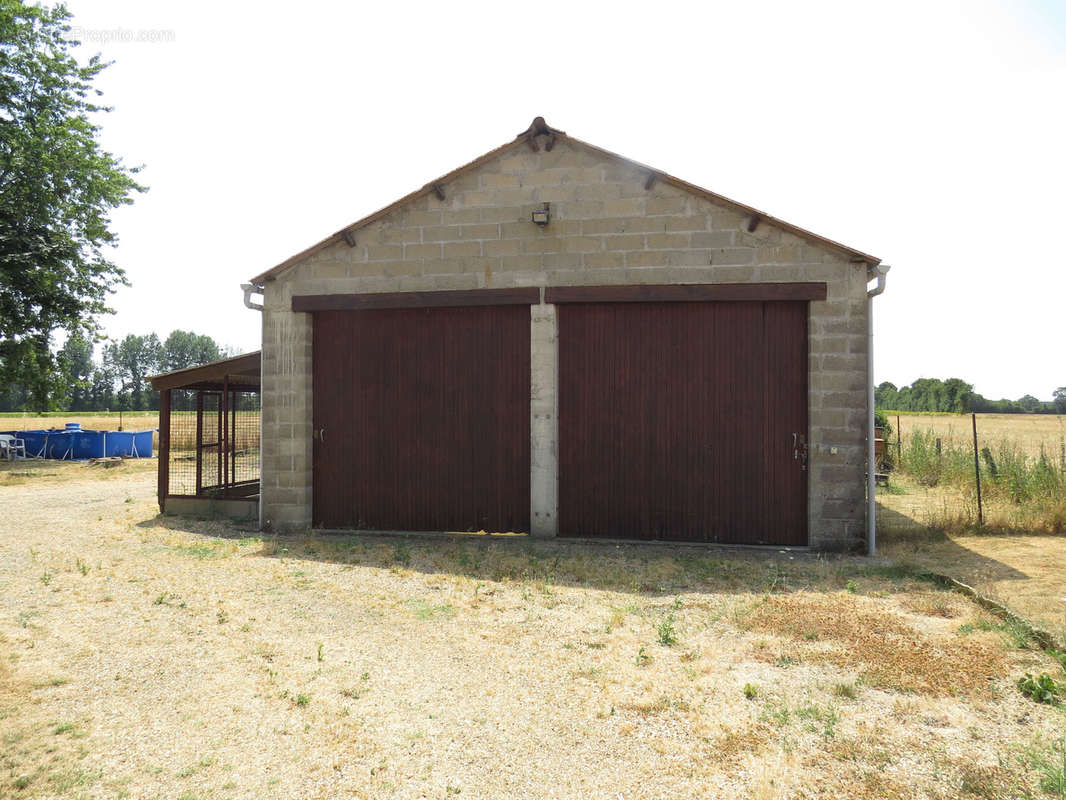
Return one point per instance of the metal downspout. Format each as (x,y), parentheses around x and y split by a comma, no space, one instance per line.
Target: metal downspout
(249,290)
(881,273)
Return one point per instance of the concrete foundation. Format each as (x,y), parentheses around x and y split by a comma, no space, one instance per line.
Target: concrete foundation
(213,508)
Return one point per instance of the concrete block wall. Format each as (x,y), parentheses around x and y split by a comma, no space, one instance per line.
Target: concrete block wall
(605,228)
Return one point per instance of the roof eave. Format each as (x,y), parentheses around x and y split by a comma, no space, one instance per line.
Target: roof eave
(245,367)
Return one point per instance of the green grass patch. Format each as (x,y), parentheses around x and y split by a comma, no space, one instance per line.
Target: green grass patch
(424,610)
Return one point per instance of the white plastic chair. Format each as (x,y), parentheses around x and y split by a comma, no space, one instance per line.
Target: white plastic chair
(11,447)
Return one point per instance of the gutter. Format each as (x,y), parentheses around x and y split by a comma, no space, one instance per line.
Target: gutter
(880,272)
(249,290)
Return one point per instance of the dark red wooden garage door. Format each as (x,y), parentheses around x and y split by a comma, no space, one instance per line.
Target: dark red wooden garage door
(425,414)
(683,421)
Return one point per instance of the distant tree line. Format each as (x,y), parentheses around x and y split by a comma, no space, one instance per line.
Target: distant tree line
(955,395)
(78,378)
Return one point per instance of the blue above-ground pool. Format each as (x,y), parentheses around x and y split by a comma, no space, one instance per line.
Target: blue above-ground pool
(128,444)
(74,444)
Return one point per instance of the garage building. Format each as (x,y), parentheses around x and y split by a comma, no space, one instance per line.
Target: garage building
(553,339)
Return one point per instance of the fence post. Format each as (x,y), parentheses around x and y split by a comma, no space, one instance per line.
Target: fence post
(899,442)
(977,472)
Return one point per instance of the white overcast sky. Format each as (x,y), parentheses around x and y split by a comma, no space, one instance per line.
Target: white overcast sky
(930,134)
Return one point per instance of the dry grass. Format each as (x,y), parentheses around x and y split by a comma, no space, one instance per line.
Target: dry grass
(169,658)
(1030,431)
(45,472)
(886,650)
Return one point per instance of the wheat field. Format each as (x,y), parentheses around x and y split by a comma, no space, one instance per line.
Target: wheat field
(1031,432)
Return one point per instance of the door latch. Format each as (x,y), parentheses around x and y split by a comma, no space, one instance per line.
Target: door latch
(799,449)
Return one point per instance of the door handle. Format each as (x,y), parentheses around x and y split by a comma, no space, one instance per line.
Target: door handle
(320,434)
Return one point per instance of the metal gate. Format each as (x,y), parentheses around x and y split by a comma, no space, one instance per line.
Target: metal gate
(421,419)
(683,421)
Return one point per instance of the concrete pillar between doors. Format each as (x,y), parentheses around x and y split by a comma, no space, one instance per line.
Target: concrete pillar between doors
(544,421)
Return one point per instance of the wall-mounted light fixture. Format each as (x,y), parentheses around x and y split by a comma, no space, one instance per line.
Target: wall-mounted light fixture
(541,216)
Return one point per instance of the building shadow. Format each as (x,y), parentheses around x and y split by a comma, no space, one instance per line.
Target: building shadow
(643,568)
(907,540)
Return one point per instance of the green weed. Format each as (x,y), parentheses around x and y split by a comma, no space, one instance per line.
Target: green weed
(891,487)
(751,691)
(643,659)
(427,611)
(667,633)
(200,550)
(816,717)
(592,673)
(846,690)
(1059,657)
(1043,688)
(24,618)
(68,779)
(401,554)
(1014,633)
(1050,764)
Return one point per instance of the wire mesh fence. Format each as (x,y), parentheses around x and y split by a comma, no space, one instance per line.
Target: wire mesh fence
(214,443)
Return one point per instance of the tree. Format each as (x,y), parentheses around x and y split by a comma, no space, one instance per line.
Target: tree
(186,349)
(1029,403)
(102,389)
(57,187)
(1058,397)
(26,356)
(76,366)
(886,395)
(132,360)
(958,396)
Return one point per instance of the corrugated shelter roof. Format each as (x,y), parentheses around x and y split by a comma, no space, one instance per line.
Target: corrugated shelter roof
(239,371)
(528,138)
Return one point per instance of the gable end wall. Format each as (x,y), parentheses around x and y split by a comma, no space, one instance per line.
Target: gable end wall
(605,229)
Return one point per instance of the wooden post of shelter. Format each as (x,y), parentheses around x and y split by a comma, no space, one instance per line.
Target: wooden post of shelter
(164,449)
(223,446)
